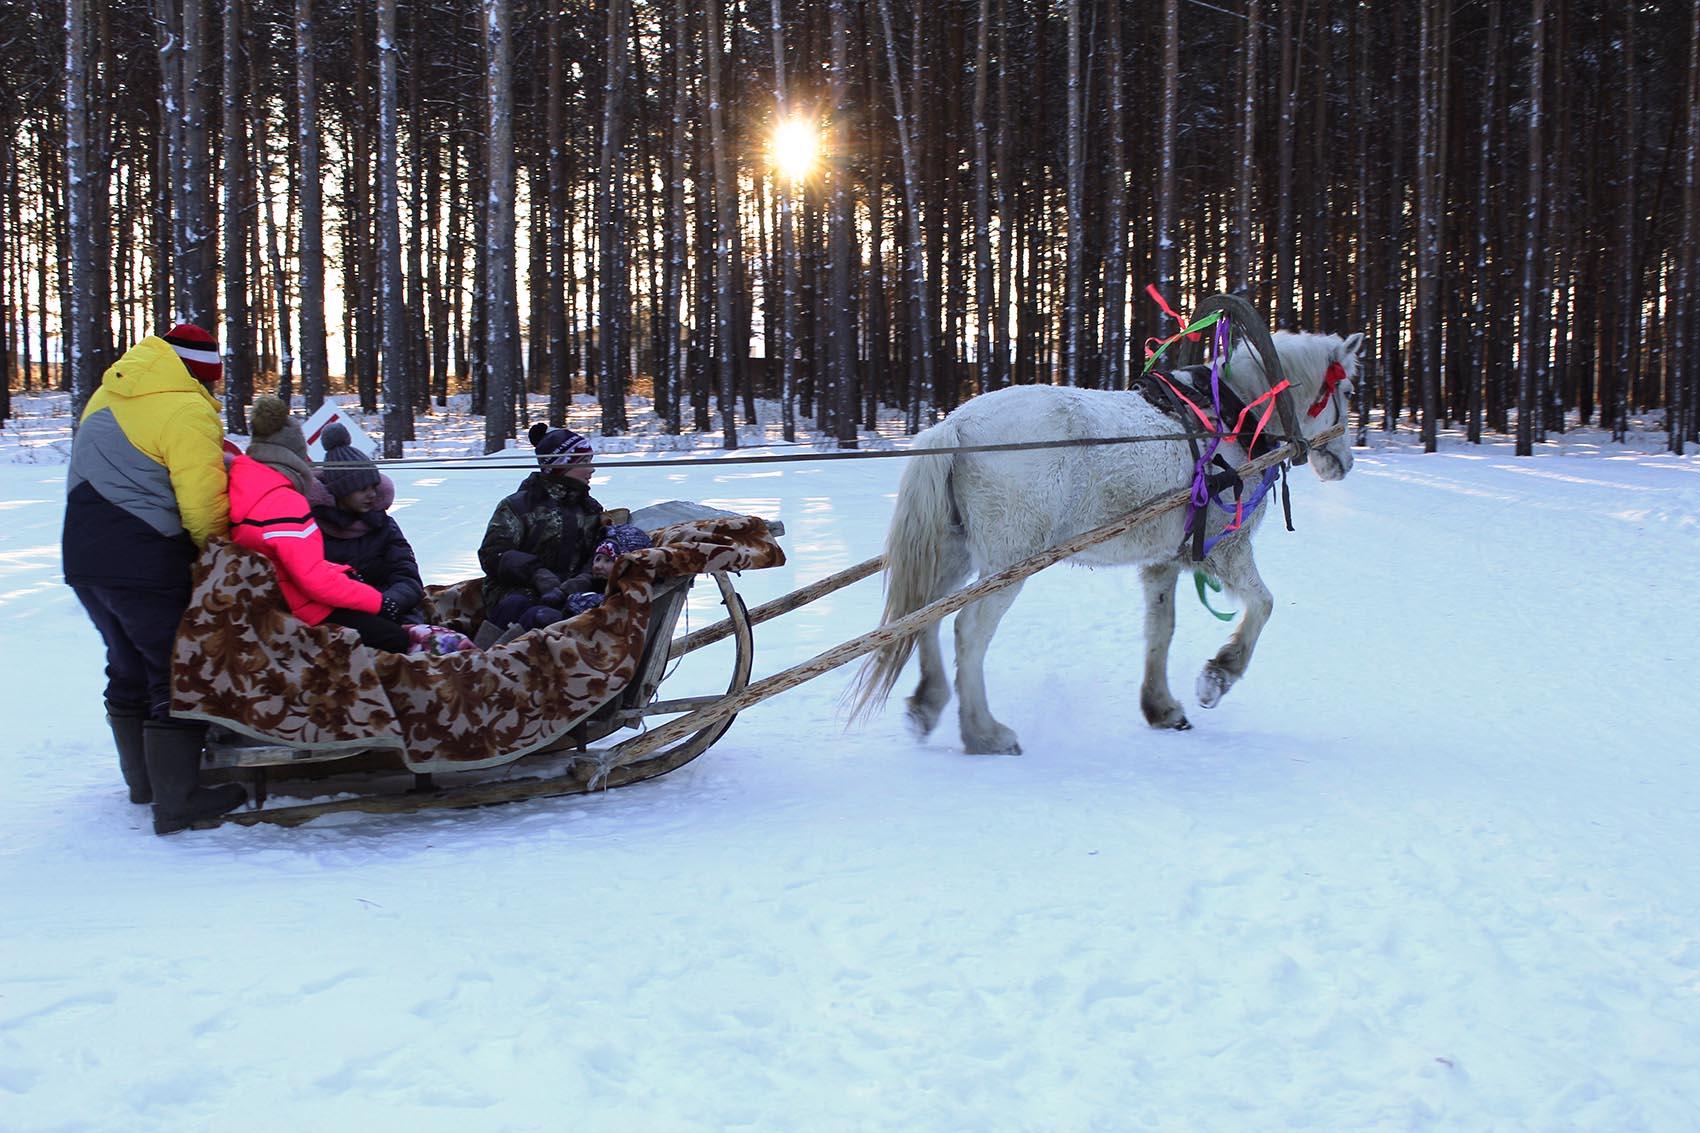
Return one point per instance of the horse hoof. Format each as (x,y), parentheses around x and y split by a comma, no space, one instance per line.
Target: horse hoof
(920,721)
(1170,715)
(1001,743)
(1175,721)
(1212,684)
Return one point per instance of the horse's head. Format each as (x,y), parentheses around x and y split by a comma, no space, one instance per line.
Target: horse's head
(1322,369)
(1322,383)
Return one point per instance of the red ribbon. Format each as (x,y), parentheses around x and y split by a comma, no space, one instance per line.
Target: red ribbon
(1151,290)
(1330,381)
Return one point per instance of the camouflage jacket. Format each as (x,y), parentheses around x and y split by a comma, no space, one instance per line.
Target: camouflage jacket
(552,522)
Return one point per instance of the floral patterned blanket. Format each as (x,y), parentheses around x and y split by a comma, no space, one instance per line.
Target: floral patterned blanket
(242,660)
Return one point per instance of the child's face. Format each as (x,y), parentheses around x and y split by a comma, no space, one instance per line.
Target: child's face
(581,471)
(601,565)
(360,501)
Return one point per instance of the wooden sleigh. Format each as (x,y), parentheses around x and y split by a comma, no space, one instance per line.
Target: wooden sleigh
(605,745)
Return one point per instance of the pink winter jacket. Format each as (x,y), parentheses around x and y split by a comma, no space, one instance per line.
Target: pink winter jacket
(268,515)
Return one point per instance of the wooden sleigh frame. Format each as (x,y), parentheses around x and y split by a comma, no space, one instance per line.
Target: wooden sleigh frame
(569,765)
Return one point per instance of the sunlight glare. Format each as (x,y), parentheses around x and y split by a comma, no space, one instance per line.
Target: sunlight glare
(794,148)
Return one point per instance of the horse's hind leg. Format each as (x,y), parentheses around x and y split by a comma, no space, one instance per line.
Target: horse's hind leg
(1161,709)
(975,625)
(1237,571)
(927,702)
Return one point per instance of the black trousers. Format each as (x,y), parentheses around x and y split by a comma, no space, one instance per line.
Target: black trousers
(378,632)
(139,626)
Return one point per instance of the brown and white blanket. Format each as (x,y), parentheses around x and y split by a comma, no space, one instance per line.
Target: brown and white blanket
(242,660)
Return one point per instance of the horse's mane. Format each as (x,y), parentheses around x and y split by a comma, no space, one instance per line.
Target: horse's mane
(1304,363)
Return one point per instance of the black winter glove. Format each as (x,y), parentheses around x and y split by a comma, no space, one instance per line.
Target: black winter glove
(555,598)
(545,580)
(388,608)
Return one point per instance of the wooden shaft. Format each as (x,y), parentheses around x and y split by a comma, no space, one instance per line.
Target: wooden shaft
(838,655)
(767,611)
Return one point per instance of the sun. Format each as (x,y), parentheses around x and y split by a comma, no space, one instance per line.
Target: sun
(795,148)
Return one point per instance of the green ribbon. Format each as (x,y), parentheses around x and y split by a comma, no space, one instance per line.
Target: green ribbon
(1204,580)
(1207,321)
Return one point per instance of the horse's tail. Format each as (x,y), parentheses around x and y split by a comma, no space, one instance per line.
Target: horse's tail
(926,556)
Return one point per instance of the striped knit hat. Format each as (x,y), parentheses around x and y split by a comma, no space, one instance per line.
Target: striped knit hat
(560,447)
(199,351)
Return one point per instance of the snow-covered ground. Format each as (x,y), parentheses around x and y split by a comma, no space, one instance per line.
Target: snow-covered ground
(1431,865)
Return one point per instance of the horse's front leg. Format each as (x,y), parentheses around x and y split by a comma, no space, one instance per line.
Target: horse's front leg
(1161,709)
(975,625)
(933,693)
(1237,571)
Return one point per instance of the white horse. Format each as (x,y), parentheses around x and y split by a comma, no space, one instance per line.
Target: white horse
(984,511)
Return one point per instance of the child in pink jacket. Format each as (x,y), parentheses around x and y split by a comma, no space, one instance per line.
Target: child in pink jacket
(269,513)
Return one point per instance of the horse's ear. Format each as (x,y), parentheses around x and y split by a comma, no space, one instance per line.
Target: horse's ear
(1353,346)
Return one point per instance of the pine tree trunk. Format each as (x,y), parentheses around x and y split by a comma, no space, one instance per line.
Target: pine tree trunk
(1287,102)
(611,227)
(725,231)
(1242,223)
(397,369)
(677,267)
(1681,415)
(983,266)
(1628,353)
(238,323)
(315,365)
(1169,76)
(1529,377)
(1428,224)
(79,300)
(1075,246)
(262,171)
(920,319)
(555,305)
(501,342)
(1115,210)
(785,350)
(841,321)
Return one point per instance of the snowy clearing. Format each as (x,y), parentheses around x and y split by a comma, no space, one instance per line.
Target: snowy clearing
(1430,866)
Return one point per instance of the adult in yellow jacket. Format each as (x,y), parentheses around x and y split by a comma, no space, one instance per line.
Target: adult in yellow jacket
(146,488)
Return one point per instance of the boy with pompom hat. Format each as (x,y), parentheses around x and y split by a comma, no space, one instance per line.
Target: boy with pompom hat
(144,492)
(541,539)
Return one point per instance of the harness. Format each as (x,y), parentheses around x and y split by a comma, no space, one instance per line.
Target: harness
(1179,393)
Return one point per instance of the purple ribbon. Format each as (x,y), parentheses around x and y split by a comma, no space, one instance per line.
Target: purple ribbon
(1201,496)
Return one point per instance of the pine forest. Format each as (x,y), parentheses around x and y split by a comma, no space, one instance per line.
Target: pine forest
(849,207)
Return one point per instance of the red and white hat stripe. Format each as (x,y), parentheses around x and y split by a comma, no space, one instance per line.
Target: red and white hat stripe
(205,357)
(199,351)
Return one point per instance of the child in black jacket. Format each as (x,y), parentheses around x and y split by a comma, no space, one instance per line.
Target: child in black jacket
(351,500)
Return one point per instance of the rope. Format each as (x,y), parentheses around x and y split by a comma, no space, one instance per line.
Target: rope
(460,463)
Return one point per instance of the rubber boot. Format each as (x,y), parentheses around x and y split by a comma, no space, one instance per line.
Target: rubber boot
(127,735)
(174,767)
